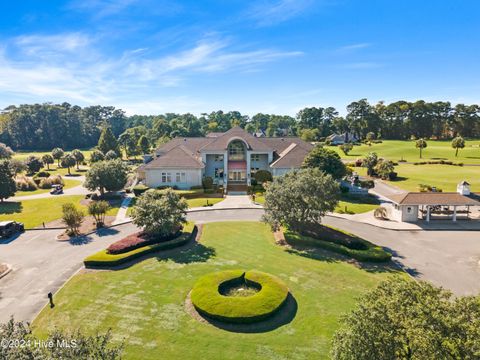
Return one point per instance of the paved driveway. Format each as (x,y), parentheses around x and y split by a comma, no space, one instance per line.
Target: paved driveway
(446,258)
(42,265)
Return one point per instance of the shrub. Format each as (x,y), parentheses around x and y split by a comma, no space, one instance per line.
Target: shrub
(103,258)
(262,176)
(33,163)
(367,184)
(340,242)
(140,189)
(25,183)
(51,180)
(207,182)
(98,209)
(72,217)
(209,302)
(42,174)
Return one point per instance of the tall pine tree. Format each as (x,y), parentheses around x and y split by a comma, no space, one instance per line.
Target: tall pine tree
(108,141)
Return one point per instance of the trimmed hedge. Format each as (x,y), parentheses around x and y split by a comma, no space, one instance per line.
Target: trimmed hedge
(103,258)
(139,189)
(341,242)
(266,302)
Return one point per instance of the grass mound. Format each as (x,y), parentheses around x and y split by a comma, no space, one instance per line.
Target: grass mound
(104,258)
(212,298)
(339,241)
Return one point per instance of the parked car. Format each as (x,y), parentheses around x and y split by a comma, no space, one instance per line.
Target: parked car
(10,228)
(56,190)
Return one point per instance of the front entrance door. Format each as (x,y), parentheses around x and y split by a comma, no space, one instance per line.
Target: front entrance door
(237,175)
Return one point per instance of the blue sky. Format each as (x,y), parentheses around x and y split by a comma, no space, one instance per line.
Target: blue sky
(272,56)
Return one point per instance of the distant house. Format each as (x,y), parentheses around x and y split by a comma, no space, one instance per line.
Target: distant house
(340,139)
(230,158)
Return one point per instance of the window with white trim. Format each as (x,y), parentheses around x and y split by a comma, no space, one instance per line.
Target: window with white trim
(180,177)
(253,170)
(255,157)
(166,177)
(218,158)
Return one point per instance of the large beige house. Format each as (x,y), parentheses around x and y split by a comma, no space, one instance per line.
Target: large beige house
(230,158)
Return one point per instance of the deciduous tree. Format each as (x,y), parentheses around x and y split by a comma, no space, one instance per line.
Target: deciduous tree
(160,212)
(108,141)
(405,319)
(57,154)
(300,198)
(420,144)
(458,143)
(47,160)
(68,161)
(106,176)
(326,160)
(7,181)
(34,164)
(79,157)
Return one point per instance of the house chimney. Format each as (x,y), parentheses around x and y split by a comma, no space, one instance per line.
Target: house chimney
(463,188)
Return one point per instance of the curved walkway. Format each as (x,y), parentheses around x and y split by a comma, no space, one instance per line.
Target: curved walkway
(76,190)
(41,264)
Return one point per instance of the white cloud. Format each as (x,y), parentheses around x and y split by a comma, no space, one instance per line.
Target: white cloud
(353,47)
(270,12)
(73,67)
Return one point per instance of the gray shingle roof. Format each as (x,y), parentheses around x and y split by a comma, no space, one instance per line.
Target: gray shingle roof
(178,157)
(435,198)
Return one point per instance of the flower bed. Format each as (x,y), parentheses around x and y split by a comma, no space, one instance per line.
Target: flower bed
(207,298)
(103,258)
(137,240)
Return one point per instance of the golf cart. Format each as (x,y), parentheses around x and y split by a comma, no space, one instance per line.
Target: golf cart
(57,189)
(9,228)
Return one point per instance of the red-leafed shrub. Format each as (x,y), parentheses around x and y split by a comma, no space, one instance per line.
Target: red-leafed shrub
(137,240)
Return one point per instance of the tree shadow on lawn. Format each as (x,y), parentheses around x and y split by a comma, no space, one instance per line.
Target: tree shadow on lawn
(283,316)
(399,178)
(331,257)
(192,252)
(12,207)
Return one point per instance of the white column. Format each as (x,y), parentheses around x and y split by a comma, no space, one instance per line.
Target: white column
(454,213)
(428,213)
(225,169)
(248,167)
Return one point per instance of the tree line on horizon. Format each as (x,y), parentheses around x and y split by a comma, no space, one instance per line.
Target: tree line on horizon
(45,126)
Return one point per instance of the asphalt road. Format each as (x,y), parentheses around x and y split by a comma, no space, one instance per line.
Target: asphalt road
(42,264)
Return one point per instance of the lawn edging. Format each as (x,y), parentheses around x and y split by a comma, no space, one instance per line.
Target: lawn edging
(104,259)
(372,252)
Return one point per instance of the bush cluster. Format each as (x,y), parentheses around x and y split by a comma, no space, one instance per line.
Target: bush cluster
(103,258)
(25,183)
(137,240)
(209,302)
(428,188)
(140,189)
(47,183)
(438,162)
(340,242)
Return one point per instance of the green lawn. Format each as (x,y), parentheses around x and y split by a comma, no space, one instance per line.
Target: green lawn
(202,201)
(445,177)
(145,304)
(436,150)
(33,212)
(68,184)
(23,154)
(357,204)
